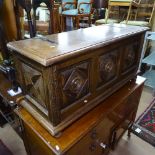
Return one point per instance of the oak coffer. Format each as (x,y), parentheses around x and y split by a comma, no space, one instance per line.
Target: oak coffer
(65,75)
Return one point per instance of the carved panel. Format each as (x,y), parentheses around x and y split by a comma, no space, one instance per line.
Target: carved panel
(74,83)
(34,84)
(129,58)
(108,64)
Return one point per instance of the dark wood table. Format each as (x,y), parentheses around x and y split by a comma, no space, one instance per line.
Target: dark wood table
(95,133)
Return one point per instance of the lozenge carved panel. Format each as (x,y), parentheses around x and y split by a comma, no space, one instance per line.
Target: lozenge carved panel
(34,84)
(108,67)
(130,56)
(74,83)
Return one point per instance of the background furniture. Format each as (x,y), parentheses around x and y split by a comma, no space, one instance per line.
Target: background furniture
(139,13)
(33,25)
(3,49)
(100,6)
(67,5)
(84,8)
(122,3)
(105,20)
(50,6)
(149,61)
(97,132)
(100,3)
(7,33)
(7,16)
(143,15)
(26,5)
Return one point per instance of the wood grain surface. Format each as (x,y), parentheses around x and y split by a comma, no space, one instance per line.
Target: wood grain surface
(115,104)
(57,47)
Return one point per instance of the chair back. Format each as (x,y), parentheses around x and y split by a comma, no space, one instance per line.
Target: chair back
(68,6)
(137,1)
(146,11)
(153,9)
(50,4)
(144,14)
(83,7)
(26,5)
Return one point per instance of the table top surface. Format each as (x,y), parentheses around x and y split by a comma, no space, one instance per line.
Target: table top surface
(79,128)
(57,47)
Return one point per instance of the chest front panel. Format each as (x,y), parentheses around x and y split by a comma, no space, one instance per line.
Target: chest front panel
(96,75)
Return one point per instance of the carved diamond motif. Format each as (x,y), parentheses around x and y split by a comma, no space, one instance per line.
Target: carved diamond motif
(107,66)
(34,84)
(129,57)
(75,84)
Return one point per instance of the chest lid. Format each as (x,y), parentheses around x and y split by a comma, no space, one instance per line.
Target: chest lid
(54,48)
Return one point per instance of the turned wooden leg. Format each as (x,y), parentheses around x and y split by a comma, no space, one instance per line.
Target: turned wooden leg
(89,20)
(153,92)
(107,16)
(63,24)
(128,14)
(58,20)
(129,133)
(113,140)
(77,22)
(129,130)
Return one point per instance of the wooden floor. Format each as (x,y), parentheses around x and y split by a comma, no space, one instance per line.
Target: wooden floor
(132,146)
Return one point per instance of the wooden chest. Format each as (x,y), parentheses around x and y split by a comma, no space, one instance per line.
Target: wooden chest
(65,75)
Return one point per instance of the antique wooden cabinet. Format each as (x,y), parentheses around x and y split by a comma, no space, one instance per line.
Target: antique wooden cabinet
(95,133)
(65,75)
